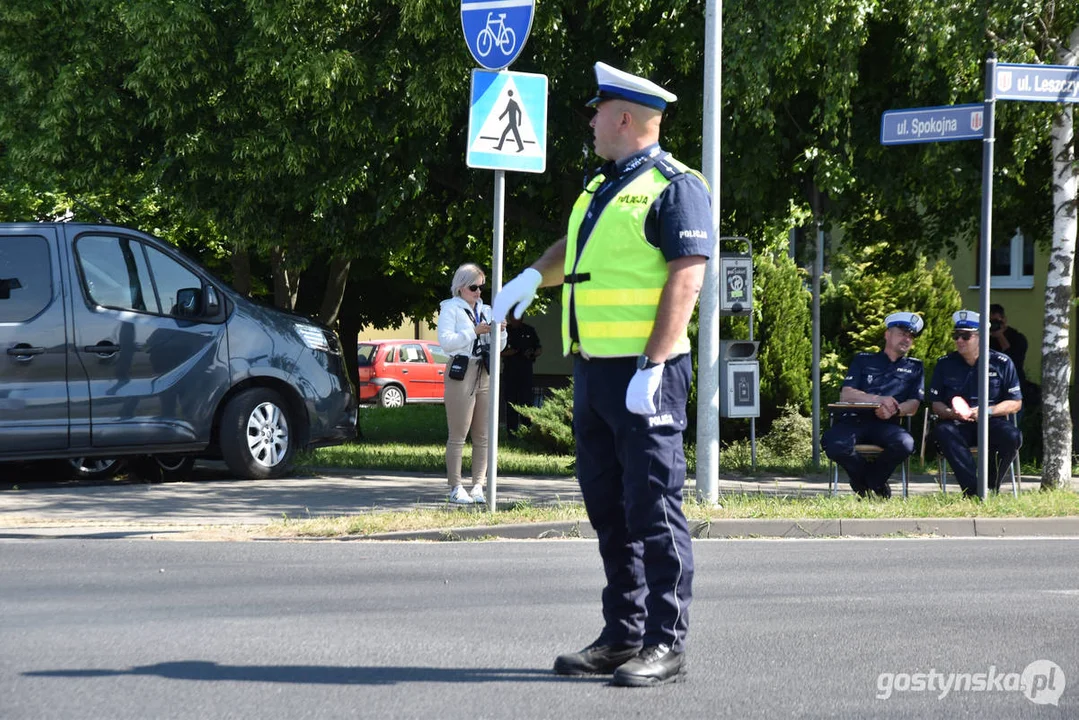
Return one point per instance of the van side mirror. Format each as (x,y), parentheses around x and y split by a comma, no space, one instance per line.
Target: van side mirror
(211,303)
(188,302)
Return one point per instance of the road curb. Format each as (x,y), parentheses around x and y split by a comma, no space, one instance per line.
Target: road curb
(792,528)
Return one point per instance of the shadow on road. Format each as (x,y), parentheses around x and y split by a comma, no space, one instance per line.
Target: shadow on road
(318,674)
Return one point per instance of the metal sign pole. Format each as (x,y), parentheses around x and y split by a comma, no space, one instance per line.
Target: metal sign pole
(818,270)
(708,318)
(496,341)
(983,308)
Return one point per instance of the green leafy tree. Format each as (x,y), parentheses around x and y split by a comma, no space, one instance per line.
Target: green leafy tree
(784,330)
(853,310)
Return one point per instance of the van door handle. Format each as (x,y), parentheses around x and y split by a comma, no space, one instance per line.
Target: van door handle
(25,353)
(102,348)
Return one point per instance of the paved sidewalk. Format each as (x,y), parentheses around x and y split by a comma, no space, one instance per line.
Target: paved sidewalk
(210,502)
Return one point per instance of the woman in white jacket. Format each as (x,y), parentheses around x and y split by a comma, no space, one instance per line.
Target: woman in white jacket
(464,328)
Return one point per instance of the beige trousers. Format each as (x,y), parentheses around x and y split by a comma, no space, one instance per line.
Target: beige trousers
(467,409)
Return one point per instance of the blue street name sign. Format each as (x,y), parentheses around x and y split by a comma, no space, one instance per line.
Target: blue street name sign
(507,121)
(932,124)
(496,30)
(1039,83)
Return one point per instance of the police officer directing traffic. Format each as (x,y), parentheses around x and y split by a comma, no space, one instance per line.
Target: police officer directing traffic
(631,267)
(954,394)
(893,383)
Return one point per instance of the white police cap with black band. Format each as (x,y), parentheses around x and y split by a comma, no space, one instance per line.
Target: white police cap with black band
(908,321)
(617,84)
(966,320)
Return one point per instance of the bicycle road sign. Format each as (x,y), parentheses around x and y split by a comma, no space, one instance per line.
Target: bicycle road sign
(496,30)
(507,121)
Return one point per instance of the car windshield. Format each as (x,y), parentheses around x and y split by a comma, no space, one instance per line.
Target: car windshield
(366,353)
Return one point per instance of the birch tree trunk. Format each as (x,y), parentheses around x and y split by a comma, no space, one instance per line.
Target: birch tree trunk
(1056,360)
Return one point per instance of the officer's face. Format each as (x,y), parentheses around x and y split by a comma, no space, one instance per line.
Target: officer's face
(966,342)
(605,126)
(898,340)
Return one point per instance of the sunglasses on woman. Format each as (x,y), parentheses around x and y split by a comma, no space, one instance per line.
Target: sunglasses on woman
(474,288)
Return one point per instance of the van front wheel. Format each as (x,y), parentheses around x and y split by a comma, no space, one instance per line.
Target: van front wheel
(255,438)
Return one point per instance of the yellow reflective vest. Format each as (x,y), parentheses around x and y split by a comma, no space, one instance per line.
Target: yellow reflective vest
(613,288)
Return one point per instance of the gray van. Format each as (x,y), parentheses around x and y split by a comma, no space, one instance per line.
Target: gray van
(114,344)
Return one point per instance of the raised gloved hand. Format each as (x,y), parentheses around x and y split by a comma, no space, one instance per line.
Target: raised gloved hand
(519,292)
(641,393)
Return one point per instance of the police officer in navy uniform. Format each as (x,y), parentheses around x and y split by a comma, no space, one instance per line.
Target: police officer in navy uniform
(631,267)
(954,394)
(894,383)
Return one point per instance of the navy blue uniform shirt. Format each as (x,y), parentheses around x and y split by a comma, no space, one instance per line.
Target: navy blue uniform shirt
(876,374)
(953,376)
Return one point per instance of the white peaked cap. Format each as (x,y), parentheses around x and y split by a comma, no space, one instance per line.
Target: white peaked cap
(615,83)
(907,320)
(966,320)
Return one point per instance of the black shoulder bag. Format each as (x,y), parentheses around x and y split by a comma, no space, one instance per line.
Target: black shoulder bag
(458,367)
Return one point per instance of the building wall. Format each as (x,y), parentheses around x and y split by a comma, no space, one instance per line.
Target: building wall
(1025,307)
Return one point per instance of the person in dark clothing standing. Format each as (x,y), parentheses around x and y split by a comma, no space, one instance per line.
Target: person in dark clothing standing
(631,268)
(522,348)
(1006,339)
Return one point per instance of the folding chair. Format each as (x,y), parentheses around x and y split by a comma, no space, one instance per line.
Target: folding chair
(1015,471)
(866,450)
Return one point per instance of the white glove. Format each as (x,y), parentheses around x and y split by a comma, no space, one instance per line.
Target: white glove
(641,393)
(519,291)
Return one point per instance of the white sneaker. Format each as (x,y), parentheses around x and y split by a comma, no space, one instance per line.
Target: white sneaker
(477,494)
(458,496)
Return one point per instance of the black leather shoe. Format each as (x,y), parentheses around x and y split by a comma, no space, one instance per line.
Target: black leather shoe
(596,659)
(654,665)
(884,491)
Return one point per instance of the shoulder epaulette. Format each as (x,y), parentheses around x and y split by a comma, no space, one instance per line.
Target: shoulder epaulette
(667,170)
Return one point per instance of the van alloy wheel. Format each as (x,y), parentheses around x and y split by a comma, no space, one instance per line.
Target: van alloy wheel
(267,434)
(256,441)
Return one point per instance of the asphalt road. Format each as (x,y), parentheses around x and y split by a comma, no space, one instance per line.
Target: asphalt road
(817,628)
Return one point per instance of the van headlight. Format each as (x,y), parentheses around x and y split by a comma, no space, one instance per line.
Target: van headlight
(313,337)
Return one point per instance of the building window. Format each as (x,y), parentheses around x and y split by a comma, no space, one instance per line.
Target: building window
(1011,264)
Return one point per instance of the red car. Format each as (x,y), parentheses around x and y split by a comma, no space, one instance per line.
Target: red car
(395,372)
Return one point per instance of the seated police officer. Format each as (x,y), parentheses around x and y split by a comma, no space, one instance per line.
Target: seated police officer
(954,394)
(890,383)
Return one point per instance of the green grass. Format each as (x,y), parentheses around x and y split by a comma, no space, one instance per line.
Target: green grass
(1059,503)
(422,519)
(413,439)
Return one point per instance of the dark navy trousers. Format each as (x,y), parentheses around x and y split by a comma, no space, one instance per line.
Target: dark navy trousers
(839,440)
(631,469)
(955,438)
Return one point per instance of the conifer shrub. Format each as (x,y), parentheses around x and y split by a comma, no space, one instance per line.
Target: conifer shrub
(550,427)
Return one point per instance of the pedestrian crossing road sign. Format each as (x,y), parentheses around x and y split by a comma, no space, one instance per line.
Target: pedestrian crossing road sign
(507,122)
